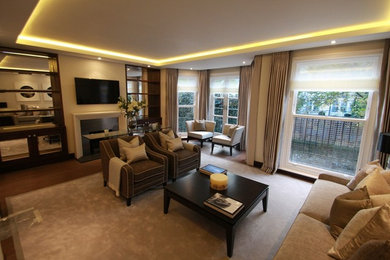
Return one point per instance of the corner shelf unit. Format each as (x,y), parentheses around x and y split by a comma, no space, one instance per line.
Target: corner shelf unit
(38,133)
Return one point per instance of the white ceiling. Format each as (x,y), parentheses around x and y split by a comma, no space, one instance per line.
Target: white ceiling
(161,29)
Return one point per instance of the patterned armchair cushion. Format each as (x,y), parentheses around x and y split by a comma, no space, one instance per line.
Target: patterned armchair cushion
(146,169)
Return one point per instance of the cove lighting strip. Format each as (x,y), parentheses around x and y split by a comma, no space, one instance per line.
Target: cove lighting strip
(25,54)
(353,30)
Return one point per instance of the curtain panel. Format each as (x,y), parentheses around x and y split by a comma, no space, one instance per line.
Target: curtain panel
(384,98)
(204,94)
(171,98)
(253,97)
(243,97)
(276,97)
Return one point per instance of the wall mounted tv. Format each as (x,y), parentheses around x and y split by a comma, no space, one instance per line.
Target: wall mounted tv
(96,91)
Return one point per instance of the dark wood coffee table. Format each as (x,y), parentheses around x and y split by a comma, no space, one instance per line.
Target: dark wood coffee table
(194,189)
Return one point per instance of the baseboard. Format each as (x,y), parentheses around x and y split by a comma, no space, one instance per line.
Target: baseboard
(297,176)
(257,164)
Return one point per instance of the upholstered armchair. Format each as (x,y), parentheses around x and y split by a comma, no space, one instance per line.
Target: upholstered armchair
(231,137)
(137,176)
(201,131)
(180,161)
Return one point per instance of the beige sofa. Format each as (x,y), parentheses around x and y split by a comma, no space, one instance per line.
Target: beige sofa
(202,136)
(309,236)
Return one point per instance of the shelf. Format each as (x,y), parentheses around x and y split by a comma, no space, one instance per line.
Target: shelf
(28,90)
(29,71)
(142,80)
(142,93)
(29,110)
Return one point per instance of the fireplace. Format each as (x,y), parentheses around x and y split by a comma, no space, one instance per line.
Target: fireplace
(92,122)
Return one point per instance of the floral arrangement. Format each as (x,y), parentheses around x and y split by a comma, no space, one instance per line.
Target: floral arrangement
(130,107)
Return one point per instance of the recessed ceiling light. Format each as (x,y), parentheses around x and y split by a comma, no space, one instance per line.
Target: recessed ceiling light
(333,42)
(99,58)
(148,66)
(190,68)
(243,62)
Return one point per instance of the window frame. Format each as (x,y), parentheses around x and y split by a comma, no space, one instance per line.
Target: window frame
(193,106)
(225,116)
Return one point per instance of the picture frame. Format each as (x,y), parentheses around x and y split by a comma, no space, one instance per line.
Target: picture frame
(27,96)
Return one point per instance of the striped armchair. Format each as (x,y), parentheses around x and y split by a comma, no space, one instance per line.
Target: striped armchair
(179,162)
(138,176)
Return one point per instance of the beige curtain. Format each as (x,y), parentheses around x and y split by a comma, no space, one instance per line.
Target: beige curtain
(276,95)
(384,97)
(253,97)
(204,94)
(243,97)
(171,98)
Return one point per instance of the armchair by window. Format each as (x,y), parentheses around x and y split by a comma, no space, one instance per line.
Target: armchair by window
(202,134)
(137,176)
(231,137)
(180,161)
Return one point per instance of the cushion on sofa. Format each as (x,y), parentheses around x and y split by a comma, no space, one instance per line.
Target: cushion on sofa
(366,225)
(370,167)
(374,249)
(380,200)
(375,183)
(386,175)
(199,125)
(345,206)
(307,238)
(200,134)
(320,199)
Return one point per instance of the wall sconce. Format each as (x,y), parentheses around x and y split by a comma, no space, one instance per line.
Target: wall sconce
(384,147)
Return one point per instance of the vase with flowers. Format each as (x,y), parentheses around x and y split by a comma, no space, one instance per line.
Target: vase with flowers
(131,109)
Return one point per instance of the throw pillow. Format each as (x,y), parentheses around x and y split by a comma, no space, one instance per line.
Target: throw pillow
(231,130)
(174,144)
(165,137)
(374,249)
(366,225)
(136,154)
(199,125)
(380,200)
(386,175)
(376,184)
(345,207)
(123,144)
(363,172)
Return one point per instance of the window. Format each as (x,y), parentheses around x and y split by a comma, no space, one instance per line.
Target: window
(187,87)
(224,97)
(329,118)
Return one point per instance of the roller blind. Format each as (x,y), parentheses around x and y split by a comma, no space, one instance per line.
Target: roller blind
(358,72)
(187,81)
(225,81)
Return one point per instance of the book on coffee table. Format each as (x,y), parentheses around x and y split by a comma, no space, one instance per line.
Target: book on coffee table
(210,169)
(223,204)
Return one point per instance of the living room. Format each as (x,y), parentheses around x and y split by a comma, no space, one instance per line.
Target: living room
(293,130)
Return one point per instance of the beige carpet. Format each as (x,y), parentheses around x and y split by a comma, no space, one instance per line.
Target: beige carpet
(84,220)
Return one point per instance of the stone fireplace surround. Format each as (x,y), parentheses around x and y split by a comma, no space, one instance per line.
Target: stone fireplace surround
(77,117)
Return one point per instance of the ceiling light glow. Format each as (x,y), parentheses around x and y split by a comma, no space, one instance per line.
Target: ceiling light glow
(333,42)
(99,58)
(346,31)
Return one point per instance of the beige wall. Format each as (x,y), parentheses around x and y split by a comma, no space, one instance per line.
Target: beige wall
(71,67)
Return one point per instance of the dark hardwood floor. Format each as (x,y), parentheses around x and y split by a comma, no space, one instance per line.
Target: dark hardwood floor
(17,182)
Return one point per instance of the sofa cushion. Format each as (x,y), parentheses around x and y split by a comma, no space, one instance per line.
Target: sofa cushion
(186,157)
(380,200)
(366,225)
(146,169)
(165,137)
(200,134)
(123,144)
(374,249)
(363,172)
(307,238)
(135,154)
(231,130)
(320,199)
(174,144)
(222,139)
(375,183)
(199,125)
(345,206)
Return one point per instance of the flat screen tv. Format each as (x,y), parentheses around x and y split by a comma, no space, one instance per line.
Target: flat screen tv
(96,91)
